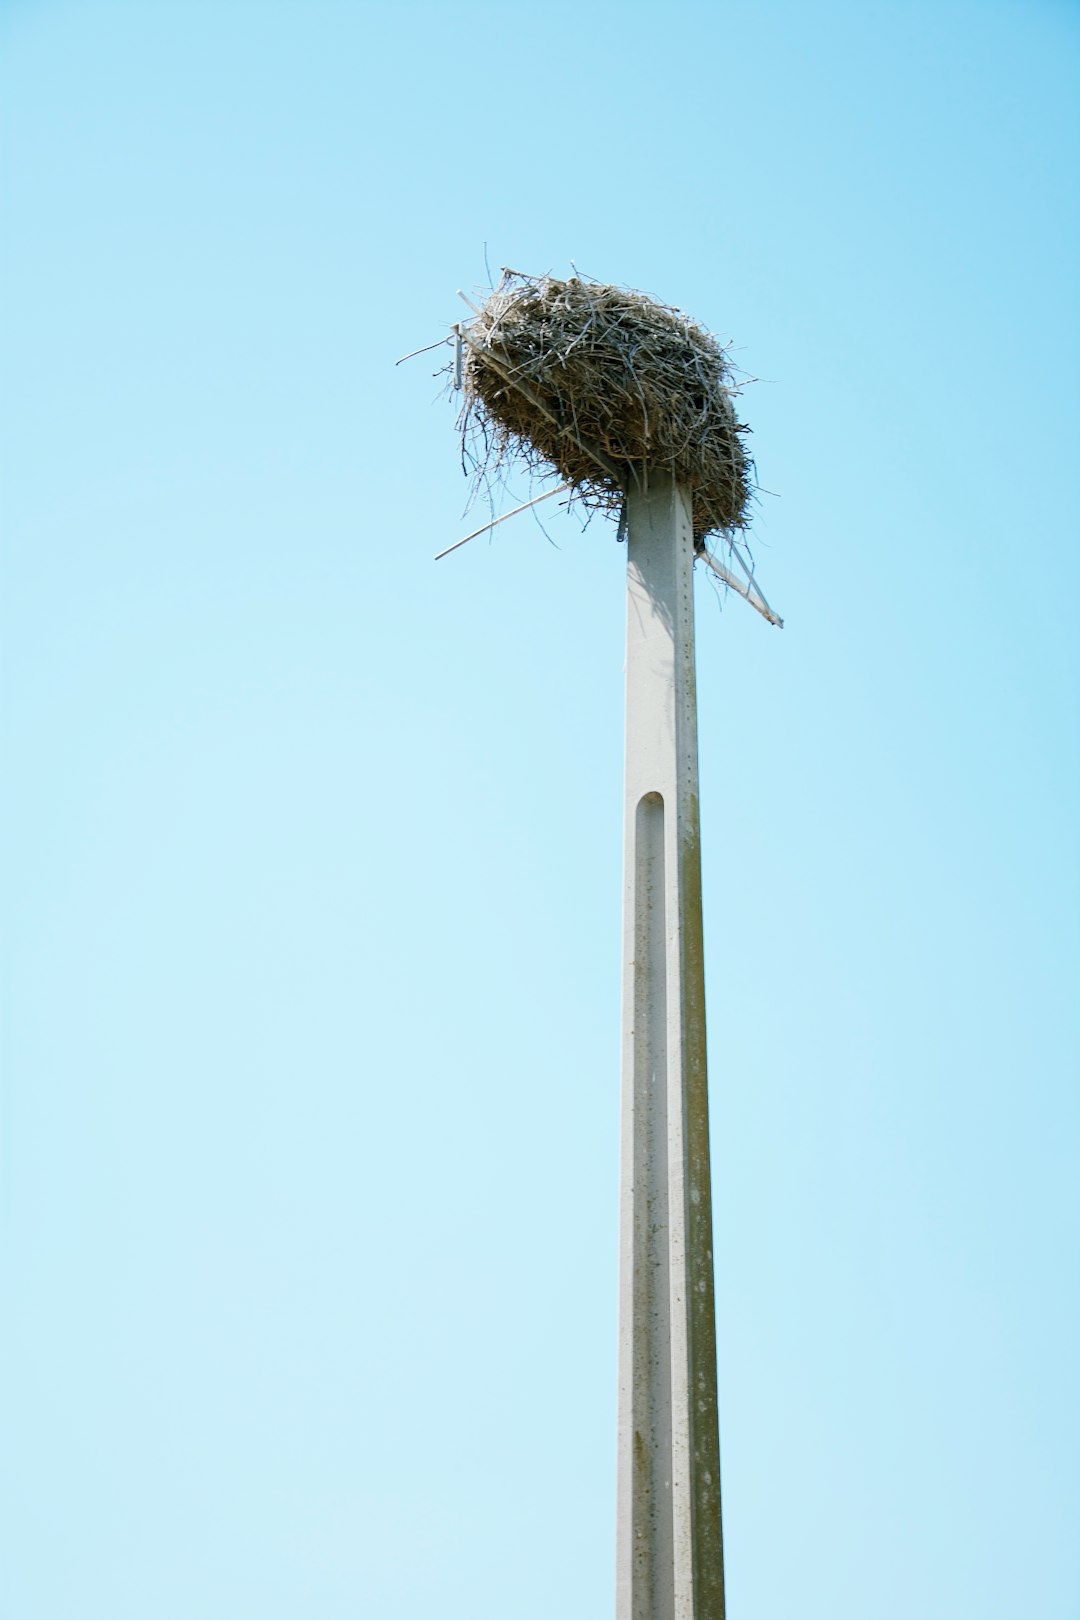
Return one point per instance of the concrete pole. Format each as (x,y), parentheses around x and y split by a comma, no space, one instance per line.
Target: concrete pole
(670,1561)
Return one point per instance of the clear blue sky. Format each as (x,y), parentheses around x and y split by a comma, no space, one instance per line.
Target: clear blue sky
(312,863)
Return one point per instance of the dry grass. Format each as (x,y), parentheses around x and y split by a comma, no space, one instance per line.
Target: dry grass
(602,385)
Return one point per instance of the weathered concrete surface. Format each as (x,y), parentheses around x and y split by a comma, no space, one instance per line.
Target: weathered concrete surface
(670,1562)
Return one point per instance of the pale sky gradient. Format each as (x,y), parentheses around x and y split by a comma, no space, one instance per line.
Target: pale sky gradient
(312,861)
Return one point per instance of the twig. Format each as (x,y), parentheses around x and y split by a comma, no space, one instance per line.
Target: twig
(426,350)
(524,507)
(749,572)
(755,598)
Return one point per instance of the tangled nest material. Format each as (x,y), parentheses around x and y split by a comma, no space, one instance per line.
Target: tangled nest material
(604,385)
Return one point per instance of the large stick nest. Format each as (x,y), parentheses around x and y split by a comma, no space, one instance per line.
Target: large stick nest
(604,385)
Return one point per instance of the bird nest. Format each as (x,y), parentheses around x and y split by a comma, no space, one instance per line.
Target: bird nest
(605,386)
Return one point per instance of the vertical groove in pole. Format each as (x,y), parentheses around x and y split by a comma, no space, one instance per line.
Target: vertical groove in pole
(652,1507)
(669,1541)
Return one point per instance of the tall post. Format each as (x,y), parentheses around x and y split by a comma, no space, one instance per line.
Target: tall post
(670,1561)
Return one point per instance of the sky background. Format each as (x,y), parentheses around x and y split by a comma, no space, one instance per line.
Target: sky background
(312,863)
